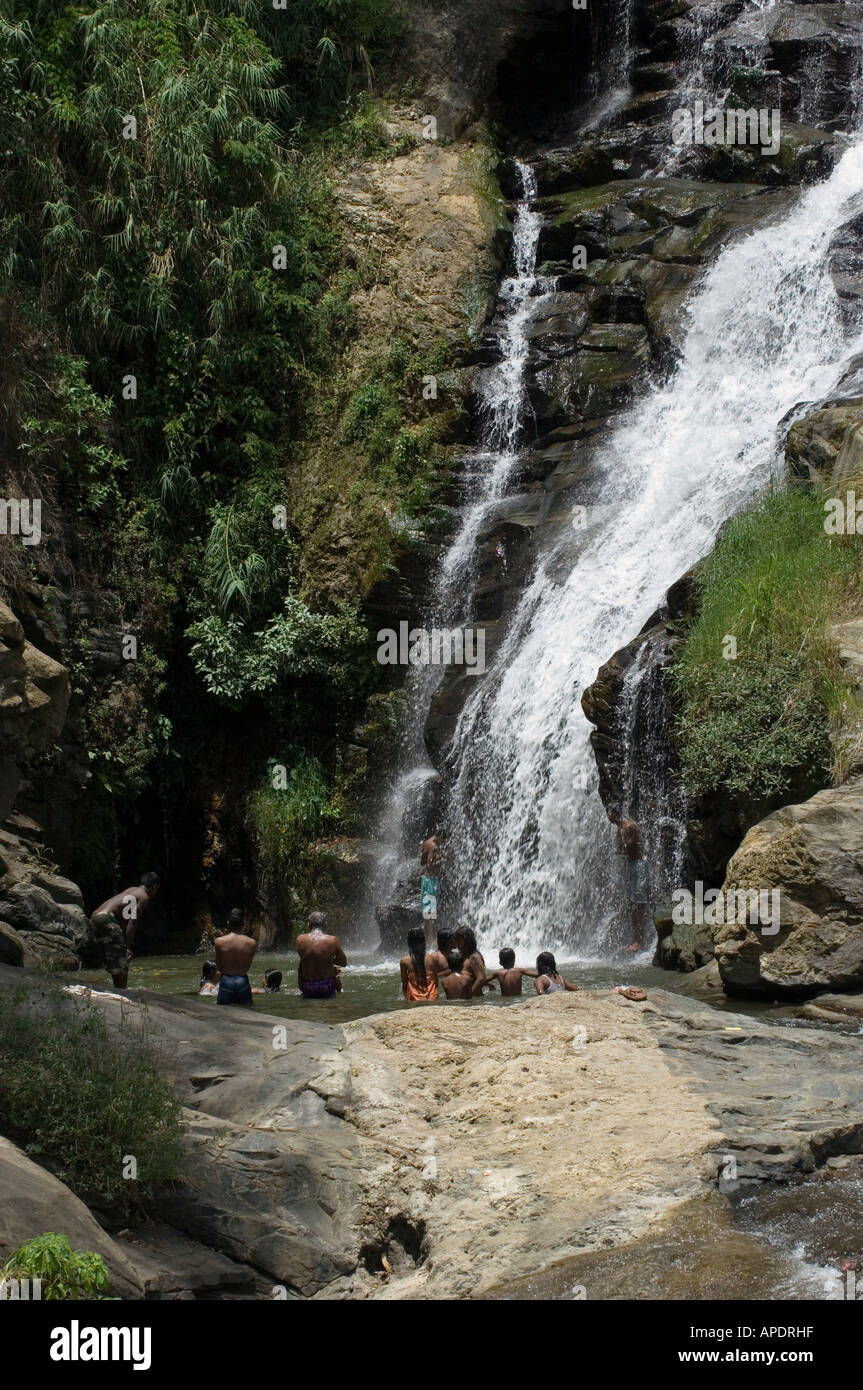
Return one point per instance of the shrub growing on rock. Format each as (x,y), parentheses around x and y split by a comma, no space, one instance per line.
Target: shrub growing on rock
(81,1099)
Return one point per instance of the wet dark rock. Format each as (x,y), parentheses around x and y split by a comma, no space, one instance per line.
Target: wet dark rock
(846,268)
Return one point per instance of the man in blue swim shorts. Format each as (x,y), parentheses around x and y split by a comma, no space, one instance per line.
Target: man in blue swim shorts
(235,952)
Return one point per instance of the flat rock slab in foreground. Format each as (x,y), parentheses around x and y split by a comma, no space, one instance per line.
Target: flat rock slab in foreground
(470,1144)
(444,1150)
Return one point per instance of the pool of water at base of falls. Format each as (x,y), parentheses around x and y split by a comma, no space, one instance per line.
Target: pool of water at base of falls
(371,984)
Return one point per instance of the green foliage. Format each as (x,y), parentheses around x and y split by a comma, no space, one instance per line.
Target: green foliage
(756,729)
(65,1273)
(82,1098)
(296,643)
(286,817)
(201,257)
(399,450)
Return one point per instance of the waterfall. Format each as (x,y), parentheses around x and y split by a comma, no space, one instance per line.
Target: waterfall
(651,789)
(530,850)
(406,815)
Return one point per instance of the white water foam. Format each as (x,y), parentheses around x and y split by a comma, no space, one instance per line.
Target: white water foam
(530,845)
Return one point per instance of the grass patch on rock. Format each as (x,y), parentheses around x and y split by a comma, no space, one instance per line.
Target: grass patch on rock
(83,1100)
(756,727)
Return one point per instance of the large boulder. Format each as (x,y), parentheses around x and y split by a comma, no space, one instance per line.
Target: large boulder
(43,910)
(826,446)
(35,1202)
(813,854)
(34,697)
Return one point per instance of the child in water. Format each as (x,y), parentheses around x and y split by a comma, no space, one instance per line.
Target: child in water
(272,983)
(548,979)
(510,976)
(209,978)
(455,985)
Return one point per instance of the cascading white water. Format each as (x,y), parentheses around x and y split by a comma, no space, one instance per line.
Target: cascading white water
(501,392)
(531,849)
(486,472)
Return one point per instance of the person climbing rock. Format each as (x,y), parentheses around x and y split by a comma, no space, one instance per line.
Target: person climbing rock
(113,926)
(235,950)
(637,879)
(431,863)
(320,957)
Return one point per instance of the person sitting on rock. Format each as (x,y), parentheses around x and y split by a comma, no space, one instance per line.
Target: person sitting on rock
(418,969)
(548,979)
(474,965)
(113,926)
(235,951)
(510,976)
(455,984)
(320,957)
(209,978)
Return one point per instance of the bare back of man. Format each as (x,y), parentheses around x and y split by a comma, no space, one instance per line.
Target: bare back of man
(509,981)
(320,956)
(431,854)
(121,903)
(454,985)
(234,955)
(113,926)
(630,840)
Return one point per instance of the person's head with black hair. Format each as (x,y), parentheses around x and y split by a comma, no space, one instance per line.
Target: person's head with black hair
(466,938)
(209,971)
(417,953)
(445,941)
(273,981)
(506,957)
(455,960)
(546,964)
(150,882)
(236,918)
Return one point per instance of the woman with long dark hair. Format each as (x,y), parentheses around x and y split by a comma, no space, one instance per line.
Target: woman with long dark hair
(419,970)
(548,978)
(474,965)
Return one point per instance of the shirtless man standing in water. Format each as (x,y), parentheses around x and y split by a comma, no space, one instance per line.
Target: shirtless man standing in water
(235,952)
(320,958)
(630,847)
